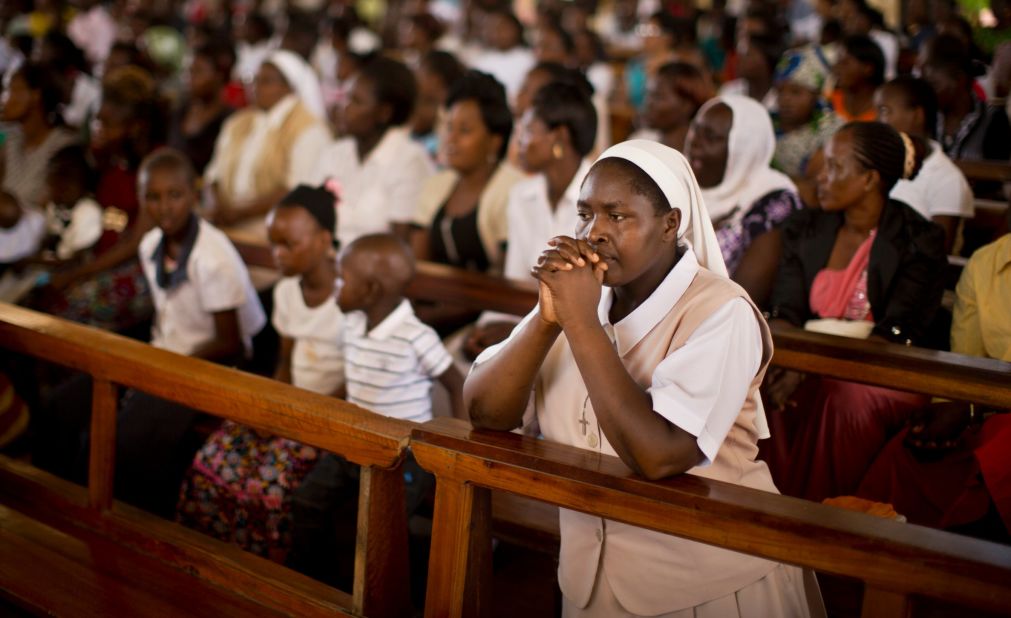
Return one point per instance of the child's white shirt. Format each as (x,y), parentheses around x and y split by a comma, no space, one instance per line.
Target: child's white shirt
(78,227)
(317,357)
(390,368)
(24,238)
(216,280)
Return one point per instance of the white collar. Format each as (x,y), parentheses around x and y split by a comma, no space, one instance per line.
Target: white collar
(279,113)
(636,325)
(389,325)
(390,145)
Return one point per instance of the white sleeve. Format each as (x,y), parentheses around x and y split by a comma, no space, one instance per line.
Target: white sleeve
(405,186)
(433,357)
(701,386)
(949,194)
(517,266)
(220,280)
(306,154)
(84,230)
(281,317)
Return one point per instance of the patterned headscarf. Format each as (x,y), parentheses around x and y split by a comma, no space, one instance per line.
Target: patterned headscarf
(810,66)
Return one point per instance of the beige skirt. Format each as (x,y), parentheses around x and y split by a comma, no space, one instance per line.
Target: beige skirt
(786,592)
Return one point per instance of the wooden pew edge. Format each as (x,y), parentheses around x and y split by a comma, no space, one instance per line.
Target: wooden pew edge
(880,552)
(63,505)
(361,436)
(984,381)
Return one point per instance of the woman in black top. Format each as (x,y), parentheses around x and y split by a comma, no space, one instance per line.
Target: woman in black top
(862,260)
(196,124)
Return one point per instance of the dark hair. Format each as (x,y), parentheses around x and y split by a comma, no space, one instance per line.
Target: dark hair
(639,181)
(134,91)
(918,93)
(558,72)
(770,46)
(949,54)
(879,147)
(44,80)
(428,24)
(568,43)
(866,51)
(490,97)
(260,24)
(165,158)
(221,55)
(71,164)
(319,202)
(688,81)
(681,30)
(67,54)
(560,104)
(445,65)
(514,21)
(393,84)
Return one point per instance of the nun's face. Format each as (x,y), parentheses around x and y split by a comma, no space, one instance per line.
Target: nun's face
(707,145)
(269,86)
(624,226)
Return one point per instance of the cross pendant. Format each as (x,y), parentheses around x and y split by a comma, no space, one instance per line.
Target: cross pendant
(584,423)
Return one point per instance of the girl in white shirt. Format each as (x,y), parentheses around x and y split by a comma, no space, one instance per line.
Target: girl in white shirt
(216,496)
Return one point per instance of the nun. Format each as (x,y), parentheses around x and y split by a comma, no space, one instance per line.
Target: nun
(263,148)
(642,348)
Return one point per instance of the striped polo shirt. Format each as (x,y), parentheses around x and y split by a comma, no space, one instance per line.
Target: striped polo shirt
(390,369)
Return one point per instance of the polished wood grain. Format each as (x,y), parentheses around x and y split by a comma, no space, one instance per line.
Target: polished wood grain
(380,558)
(87,575)
(889,556)
(984,170)
(65,506)
(360,436)
(102,458)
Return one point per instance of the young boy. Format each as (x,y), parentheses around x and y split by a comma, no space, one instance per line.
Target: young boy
(390,360)
(390,356)
(205,304)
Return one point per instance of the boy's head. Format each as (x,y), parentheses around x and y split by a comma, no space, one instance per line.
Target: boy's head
(10,211)
(301,229)
(373,269)
(166,188)
(68,176)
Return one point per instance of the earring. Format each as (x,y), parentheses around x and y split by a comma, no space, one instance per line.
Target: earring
(556,151)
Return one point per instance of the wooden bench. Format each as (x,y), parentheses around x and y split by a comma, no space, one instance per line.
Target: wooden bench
(990,171)
(897,562)
(378,444)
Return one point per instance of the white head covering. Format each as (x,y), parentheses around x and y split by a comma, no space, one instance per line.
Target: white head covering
(750,147)
(672,173)
(301,78)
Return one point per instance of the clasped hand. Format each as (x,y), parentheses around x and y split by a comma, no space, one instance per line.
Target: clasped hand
(571,275)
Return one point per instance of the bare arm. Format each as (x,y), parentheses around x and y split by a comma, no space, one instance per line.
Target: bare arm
(125,249)
(452,379)
(283,371)
(226,346)
(949,224)
(647,442)
(496,392)
(757,270)
(420,242)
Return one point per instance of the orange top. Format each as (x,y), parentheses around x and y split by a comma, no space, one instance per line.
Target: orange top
(839,107)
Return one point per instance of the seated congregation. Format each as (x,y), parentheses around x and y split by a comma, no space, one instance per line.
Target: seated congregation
(781,175)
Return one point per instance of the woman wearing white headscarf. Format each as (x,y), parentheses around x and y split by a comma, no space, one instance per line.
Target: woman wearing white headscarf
(641,347)
(262,148)
(730,145)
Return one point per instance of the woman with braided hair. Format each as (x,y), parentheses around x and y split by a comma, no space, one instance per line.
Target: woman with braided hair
(863,265)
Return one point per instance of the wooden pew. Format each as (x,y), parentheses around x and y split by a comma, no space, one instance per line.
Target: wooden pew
(376,443)
(897,562)
(991,171)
